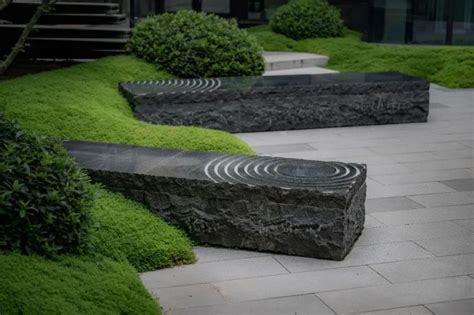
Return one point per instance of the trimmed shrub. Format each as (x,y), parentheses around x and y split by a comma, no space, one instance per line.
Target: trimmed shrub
(301,19)
(189,44)
(44,195)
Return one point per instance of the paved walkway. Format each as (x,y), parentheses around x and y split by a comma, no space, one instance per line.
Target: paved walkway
(416,255)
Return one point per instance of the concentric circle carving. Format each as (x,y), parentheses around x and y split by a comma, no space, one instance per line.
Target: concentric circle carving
(180,85)
(283,173)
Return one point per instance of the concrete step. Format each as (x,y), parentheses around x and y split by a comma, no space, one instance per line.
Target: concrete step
(13,31)
(277,60)
(309,70)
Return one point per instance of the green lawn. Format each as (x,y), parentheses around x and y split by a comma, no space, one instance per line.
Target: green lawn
(83,103)
(448,66)
(85,285)
(125,230)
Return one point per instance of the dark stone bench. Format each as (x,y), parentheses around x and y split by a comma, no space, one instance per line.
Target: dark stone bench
(296,207)
(249,104)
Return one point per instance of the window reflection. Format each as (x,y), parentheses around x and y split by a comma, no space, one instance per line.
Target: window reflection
(216,6)
(175,5)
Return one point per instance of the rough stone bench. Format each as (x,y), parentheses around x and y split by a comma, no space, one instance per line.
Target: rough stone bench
(289,206)
(248,104)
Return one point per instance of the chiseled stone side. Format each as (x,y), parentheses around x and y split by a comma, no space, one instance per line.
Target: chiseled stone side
(294,110)
(295,222)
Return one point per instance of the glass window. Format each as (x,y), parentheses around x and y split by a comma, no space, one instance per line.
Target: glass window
(463,25)
(216,6)
(175,5)
(429,21)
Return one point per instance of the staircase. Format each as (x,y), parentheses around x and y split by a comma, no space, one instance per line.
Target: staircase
(73,30)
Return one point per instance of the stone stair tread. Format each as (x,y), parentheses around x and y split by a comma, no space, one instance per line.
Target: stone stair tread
(105,27)
(308,70)
(100,40)
(279,60)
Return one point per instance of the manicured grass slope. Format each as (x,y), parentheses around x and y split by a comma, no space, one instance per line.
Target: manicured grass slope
(448,66)
(33,285)
(124,229)
(83,103)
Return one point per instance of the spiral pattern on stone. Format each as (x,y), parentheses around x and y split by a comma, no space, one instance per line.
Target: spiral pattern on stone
(283,173)
(179,85)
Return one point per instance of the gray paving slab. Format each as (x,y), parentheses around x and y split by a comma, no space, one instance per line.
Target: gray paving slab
(378,190)
(188,296)
(371,222)
(298,283)
(212,254)
(424,176)
(399,295)
(413,310)
(391,204)
(425,215)
(301,305)
(418,147)
(446,199)
(460,307)
(466,223)
(460,184)
(449,246)
(424,252)
(212,272)
(412,232)
(440,164)
(271,149)
(360,255)
(430,268)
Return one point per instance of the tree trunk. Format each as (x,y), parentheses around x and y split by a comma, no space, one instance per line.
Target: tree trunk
(43,7)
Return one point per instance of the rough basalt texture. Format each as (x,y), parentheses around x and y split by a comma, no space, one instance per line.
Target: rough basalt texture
(295,207)
(281,102)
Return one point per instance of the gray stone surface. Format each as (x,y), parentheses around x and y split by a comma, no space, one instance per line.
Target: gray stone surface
(295,207)
(461,307)
(430,268)
(300,305)
(406,295)
(399,295)
(278,60)
(281,102)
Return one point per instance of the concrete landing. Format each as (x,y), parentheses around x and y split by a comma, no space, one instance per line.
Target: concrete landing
(284,63)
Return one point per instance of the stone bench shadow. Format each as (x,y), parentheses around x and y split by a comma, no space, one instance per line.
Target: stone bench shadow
(288,206)
(250,104)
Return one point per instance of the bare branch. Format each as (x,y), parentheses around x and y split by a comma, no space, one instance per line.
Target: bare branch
(43,7)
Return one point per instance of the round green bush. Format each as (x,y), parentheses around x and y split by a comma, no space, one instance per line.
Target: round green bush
(44,196)
(189,44)
(301,19)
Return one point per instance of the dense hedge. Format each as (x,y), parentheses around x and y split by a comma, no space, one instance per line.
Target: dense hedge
(44,196)
(301,19)
(191,44)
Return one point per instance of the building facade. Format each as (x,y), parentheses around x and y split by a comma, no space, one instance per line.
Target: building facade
(431,22)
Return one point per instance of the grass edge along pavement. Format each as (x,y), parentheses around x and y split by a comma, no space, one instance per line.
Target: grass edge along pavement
(83,103)
(449,66)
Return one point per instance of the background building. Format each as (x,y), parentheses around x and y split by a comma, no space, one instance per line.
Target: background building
(384,21)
